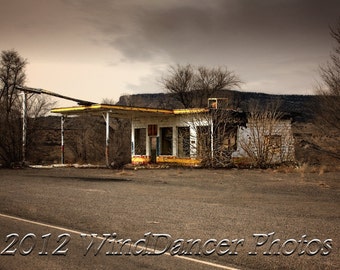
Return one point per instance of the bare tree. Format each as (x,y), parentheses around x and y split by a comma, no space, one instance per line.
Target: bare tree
(12,73)
(108,101)
(331,73)
(329,90)
(267,139)
(210,136)
(85,140)
(181,83)
(209,81)
(192,86)
(328,115)
(39,105)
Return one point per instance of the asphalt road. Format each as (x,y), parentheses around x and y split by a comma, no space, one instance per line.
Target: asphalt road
(47,218)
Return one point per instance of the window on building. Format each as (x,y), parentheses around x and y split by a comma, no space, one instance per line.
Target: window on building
(273,143)
(166,140)
(183,141)
(140,141)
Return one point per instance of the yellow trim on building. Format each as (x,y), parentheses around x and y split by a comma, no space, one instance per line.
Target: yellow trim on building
(143,160)
(140,160)
(190,111)
(116,108)
(177,160)
(110,108)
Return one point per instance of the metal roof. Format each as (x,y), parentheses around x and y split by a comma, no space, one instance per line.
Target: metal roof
(50,93)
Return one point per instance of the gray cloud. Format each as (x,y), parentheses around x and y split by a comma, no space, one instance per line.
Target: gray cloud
(189,30)
(273,41)
(272,44)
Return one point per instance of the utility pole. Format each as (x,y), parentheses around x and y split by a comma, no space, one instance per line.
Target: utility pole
(24,126)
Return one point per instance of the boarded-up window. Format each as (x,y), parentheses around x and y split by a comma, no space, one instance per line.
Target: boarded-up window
(166,140)
(152,130)
(183,141)
(273,143)
(140,141)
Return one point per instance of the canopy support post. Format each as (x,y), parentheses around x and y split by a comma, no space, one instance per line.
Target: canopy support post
(107,140)
(62,148)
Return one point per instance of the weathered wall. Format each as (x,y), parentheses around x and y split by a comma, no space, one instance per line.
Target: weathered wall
(255,136)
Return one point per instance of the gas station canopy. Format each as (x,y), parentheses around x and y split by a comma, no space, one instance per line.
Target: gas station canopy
(123,111)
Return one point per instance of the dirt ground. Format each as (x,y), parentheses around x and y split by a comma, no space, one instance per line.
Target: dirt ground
(274,219)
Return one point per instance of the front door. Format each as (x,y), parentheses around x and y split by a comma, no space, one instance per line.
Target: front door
(153,148)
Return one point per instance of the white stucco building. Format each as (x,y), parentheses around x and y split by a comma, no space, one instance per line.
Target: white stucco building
(191,136)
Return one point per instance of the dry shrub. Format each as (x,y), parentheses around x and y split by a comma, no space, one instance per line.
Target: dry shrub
(285,169)
(302,169)
(314,169)
(322,169)
(323,185)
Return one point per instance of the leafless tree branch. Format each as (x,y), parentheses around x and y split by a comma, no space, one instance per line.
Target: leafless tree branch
(192,86)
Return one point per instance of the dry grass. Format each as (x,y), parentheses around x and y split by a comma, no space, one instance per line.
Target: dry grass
(322,184)
(305,168)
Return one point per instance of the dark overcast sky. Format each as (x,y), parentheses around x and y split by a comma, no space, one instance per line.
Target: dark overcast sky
(105,48)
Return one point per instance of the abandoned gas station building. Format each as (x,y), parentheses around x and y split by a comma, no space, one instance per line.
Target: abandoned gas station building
(216,134)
